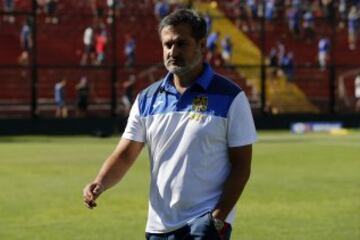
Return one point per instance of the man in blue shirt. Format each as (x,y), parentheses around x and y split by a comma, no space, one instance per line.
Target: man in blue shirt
(59,98)
(211,44)
(26,42)
(199,131)
(129,51)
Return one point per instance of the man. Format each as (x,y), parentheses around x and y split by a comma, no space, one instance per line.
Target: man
(59,97)
(357,93)
(199,130)
(323,52)
(82,102)
(129,50)
(26,42)
(89,46)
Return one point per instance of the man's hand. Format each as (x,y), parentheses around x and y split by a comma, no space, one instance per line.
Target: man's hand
(91,192)
(113,169)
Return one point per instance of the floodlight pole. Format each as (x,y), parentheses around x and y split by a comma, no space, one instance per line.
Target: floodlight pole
(114,62)
(263,64)
(33,53)
(332,69)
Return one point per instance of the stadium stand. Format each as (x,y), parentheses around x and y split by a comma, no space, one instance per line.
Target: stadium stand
(59,50)
(312,82)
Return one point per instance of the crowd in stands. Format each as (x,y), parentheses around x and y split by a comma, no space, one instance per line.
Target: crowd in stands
(94,41)
(46,7)
(49,8)
(281,62)
(9,7)
(82,95)
(301,17)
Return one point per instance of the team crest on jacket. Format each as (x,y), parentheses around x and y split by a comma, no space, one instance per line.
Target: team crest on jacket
(200,104)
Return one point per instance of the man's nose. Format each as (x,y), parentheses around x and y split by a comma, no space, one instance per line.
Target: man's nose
(174,51)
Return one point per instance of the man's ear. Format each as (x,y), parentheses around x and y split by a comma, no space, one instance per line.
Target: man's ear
(202,43)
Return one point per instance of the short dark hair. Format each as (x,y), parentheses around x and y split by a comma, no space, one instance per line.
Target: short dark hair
(190,17)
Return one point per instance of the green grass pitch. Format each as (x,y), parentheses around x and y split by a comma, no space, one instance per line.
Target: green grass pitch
(302,187)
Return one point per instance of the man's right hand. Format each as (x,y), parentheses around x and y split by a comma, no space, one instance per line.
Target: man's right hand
(91,192)
(112,170)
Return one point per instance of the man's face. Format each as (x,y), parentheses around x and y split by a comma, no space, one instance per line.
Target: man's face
(181,52)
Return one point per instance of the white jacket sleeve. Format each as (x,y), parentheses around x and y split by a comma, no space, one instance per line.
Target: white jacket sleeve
(135,128)
(241,128)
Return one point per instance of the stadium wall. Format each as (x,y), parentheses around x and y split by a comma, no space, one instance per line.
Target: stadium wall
(103,127)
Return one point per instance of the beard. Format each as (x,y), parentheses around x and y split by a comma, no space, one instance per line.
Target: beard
(183,67)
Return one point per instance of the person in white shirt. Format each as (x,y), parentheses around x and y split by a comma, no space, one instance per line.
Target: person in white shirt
(89,46)
(357,93)
(199,130)
(323,52)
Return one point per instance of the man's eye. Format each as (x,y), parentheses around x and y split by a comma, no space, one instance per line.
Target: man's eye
(181,44)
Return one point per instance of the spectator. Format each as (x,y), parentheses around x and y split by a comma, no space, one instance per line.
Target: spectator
(260,9)
(251,8)
(26,43)
(353,25)
(274,63)
(269,9)
(342,7)
(308,25)
(9,7)
(280,49)
(114,7)
(287,65)
(82,89)
(59,97)
(100,45)
(211,43)
(323,52)
(329,10)
(161,9)
(227,48)
(50,11)
(296,4)
(97,8)
(127,97)
(216,58)
(129,88)
(357,93)
(316,8)
(240,16)
(89,48)
(208,20)
(129,51)
(248,16)
(294,21)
